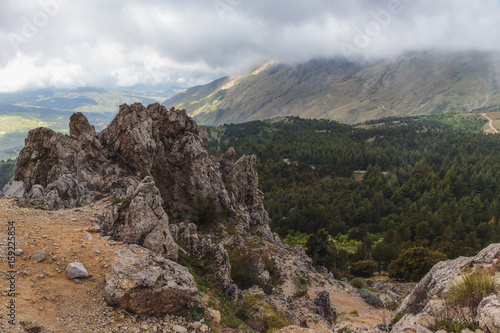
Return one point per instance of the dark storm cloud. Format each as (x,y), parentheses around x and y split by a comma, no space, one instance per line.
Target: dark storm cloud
(95,42)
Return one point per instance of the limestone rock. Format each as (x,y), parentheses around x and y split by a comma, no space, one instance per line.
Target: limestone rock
(421,303)
(179,329)
(12,189)
(141,221)
(145,283)
(76,270)
(489,313)
(39,256)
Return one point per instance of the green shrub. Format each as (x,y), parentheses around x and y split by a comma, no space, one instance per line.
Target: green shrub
(244,267)
(370,298)
(470,290)
(398,317)
(412,264)
(454,326)
(364,268)
(358,283)
(207,210)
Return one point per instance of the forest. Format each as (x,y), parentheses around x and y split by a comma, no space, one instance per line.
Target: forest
(398,195)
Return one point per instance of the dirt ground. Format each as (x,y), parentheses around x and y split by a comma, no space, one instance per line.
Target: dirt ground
(47,301)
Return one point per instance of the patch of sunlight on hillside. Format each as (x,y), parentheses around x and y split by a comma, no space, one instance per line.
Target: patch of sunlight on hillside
(9,124)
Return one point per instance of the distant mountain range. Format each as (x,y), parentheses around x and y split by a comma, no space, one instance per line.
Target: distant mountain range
(413,84)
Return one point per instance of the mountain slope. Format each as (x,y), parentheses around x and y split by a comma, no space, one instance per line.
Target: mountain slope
(419,83)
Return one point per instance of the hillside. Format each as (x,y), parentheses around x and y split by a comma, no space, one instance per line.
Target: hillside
(413,84)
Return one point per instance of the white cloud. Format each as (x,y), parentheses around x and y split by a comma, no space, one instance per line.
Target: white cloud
(95,42)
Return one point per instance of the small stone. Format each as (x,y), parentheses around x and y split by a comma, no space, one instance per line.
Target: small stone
(39,256)
(46,236)
(422,329)
(76,270)
(97,252)
(18,252)
(89,236)
(179,329)
(196,325)
(204,328)
(77,281)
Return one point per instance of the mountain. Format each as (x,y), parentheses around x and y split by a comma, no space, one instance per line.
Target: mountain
(412,84)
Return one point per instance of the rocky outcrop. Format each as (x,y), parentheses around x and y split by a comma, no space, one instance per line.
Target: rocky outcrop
(144,283)
(61,171)
(323,306)
(424,302)
(66,171)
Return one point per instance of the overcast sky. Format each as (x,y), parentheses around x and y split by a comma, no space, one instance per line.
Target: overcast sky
(67,43)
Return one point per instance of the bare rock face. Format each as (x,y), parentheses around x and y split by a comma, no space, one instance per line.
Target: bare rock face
(205,249)
(140,219)
(422,304)
(60,171)
(144,283)
(12,189)
(488,314)
(67,169)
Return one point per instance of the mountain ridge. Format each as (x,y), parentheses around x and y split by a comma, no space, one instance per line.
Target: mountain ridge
(336,89)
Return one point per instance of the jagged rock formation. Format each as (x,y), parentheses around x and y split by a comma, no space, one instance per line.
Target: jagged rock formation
(424,304)
(61,171)
(145,283)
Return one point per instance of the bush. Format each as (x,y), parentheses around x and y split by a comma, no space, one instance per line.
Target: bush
(358,283)
(412,264)
(370,297)
(454,326)
(245,264)
(469,291)
(364,268)
(320,249)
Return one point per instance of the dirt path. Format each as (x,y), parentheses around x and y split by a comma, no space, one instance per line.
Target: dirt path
(490,123)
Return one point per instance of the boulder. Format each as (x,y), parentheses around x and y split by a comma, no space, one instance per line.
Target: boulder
(488,313)
(147,284)
(421,302)
(39,256)
(76,270)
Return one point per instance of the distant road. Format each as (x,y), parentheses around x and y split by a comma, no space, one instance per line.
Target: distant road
(491,123)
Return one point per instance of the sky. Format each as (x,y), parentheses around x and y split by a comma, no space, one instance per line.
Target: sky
(108,43)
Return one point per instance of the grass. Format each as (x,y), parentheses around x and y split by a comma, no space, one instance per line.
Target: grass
(470,290)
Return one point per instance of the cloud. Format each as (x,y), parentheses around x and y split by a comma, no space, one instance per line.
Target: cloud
(114,42)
